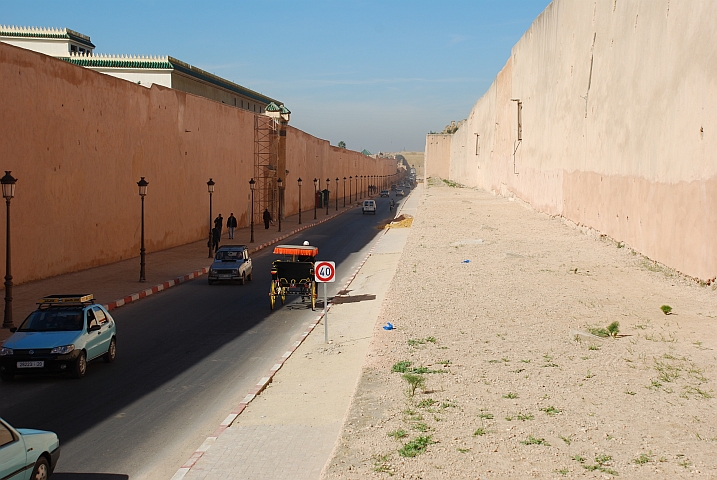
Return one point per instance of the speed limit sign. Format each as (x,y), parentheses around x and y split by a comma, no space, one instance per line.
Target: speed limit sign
(325,272)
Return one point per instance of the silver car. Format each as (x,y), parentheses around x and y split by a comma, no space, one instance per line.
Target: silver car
(231,263)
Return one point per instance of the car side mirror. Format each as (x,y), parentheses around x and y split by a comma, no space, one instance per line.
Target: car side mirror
(13,329)
(94,328)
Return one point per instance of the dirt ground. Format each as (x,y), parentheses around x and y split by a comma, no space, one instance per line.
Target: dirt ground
(493,306)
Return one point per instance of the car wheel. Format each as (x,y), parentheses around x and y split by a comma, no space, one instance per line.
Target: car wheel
(242,280)
(250,277)
(209,281)
(80,367)
(109,357)
(41,470)
(6,377)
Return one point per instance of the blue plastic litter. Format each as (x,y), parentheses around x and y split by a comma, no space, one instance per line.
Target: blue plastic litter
(388,326)
(466,261)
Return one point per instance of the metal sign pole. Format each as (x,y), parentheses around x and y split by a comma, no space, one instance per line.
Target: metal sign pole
(326,318)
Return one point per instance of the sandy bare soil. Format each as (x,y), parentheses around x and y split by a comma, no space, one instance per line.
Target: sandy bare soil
(515,385)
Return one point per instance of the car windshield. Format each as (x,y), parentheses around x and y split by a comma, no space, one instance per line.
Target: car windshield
(53,320)
(228,255)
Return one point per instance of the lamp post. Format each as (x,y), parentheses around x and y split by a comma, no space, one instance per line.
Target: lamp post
(344,192)
(316,182)
(280,183)
(327,195)
(299,182)
(210,188)
(8,191)
(142,184)
(336,195)
(252,186)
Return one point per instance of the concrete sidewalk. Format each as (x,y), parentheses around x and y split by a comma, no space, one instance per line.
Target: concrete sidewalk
(117,284)
(290,430)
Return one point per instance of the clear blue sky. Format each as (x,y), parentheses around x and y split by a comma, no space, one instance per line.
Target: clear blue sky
(377,74)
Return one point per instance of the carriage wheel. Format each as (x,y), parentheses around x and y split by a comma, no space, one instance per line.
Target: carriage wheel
(313,295)
(283,295)
(272,295)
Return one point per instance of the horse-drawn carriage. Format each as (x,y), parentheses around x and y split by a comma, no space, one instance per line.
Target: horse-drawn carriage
(293,274)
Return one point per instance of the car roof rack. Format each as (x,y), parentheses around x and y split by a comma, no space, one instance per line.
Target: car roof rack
(67,299)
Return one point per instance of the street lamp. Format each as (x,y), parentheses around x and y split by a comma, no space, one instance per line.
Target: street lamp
(252,186)
(8,191)
(299,182)
(344,192)
(337,194)
(142,184)
(316,182)
(327,195)
(280,183)
(210,188)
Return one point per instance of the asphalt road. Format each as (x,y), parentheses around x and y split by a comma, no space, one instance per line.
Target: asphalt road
(185,358)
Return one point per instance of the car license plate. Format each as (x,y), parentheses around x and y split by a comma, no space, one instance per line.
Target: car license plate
(30,364)
(225,276)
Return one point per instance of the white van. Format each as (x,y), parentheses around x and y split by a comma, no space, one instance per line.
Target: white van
(369,206)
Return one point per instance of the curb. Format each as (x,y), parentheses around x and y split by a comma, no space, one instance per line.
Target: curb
(191,276)
(266,380)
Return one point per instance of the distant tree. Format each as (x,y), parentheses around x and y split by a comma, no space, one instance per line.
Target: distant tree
(342,144)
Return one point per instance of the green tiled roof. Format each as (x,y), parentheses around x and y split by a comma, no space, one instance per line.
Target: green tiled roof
(117,63)
(272,107)
(365,152)
(34,32)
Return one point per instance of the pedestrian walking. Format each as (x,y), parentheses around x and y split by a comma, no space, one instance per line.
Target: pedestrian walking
(267,218)
(216,235)
(219,223)
(231,224)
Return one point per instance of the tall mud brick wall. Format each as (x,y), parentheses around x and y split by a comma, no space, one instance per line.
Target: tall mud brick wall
(617,106)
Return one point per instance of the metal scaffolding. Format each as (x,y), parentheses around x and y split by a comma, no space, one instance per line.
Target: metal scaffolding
(266,156)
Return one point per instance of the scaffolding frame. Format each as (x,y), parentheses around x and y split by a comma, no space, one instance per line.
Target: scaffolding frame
(266,160)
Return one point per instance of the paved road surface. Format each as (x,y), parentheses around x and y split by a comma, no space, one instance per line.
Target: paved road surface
(185,358)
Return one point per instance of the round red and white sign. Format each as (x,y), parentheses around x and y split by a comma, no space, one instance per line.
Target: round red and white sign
(325,271)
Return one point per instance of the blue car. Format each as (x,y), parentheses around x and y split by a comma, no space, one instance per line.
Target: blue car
(62,335)
(27,454)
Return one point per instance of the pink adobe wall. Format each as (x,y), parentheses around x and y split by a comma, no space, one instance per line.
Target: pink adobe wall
(438,155)
(618,125)
(78,141)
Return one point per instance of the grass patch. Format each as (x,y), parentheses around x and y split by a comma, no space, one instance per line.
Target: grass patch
(415,342)
(401,367)
(521,417)
(643,458)
(480,432)
(602,463)
(464,450)
(421,427)
(550,410)
(397,434)
(416,446)
(485,415)
(562,471)
(510,395)
(531,440)
(381,465)
(610,331)
(567,440)
(666,309)
(426,403)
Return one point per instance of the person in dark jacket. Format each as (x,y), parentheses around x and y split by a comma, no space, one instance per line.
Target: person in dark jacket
(267,218)
(216,235)
(231,225)
(219,223)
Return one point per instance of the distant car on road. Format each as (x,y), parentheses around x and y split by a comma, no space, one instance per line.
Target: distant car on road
(24,451)
(62,335)
(399,192)
(385,193)
(231,263)
(369,206)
